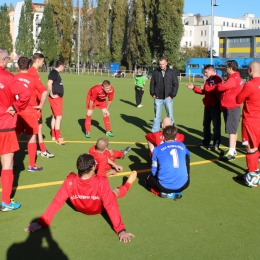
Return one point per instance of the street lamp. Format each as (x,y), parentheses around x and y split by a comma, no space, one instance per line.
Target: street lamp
(213,4)
(78,35)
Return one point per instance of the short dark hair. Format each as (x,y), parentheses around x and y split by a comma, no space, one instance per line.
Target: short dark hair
(209,66)
(23,63)
(163,58)
(58,63)
(169,132)
(106,83)
(85,163)
(232,64)
(37,56)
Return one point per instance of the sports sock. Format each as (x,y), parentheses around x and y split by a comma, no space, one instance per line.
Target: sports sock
(88,123)
(53,133)
(232,150)
(252,161)
(57,132)
(107,123)
(42,147)
(32,148)
(123,189)
(7,184)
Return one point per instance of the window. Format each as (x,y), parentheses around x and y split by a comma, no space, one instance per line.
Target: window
(240,26)
(201,44)
(201,33)
(244,26)
(232,24)
(195,66)
(252,21)
(205,43)
(224,23)
(202,22)
(190,33)
(205,33)
(227,23)
(186,43)
(207,22)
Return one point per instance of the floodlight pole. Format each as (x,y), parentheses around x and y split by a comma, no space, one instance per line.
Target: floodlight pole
(213,4)
(78,35)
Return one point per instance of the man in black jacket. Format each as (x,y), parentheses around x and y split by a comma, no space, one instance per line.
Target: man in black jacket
(163,88)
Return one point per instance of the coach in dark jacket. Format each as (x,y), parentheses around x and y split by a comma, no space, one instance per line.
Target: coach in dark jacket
(163,88)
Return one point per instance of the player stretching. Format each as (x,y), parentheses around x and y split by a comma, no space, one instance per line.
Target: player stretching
(28,118)
(56,92)
(96,98)
(170,167)
(9,106)
(106,158)
(89,194)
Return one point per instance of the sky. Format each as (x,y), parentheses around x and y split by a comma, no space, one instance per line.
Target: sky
(225,8)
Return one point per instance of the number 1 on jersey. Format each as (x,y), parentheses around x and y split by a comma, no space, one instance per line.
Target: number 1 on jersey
(175,158)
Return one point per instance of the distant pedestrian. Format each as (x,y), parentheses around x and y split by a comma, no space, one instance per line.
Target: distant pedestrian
(139,87)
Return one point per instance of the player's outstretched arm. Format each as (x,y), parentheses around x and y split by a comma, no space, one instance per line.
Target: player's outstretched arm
(33,227)
(125,236)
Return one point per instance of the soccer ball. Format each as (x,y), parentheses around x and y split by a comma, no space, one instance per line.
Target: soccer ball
(252,179)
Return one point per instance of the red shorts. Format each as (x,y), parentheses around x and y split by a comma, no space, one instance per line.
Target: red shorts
(27,121)
(8,142)
(56,105)
(250,135)
(97,104)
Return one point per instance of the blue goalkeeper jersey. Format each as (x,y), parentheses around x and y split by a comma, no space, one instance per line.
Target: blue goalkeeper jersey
(169,164)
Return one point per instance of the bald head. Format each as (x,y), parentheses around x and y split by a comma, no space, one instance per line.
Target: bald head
(4,57)
(254,69)
(102,144)
(166,121)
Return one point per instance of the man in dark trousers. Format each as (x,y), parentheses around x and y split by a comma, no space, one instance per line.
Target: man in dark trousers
(163,88)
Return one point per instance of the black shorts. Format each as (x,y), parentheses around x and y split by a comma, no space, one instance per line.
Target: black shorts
(232,118)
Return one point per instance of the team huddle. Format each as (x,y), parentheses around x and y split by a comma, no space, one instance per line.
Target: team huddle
(24,95)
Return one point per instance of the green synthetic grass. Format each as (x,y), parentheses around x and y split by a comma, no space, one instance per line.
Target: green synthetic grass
(217,218)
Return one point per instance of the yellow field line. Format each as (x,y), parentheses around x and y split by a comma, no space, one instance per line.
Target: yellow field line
(44,184)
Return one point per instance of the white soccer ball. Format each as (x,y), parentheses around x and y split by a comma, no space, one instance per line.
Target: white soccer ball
(252,179)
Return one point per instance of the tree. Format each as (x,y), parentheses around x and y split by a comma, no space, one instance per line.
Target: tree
(48,41)
(24,44)
(84,32)
(166,29)
(63,20)
(118,25)
(143,55)
(5,36)
(11,8)
(102,53)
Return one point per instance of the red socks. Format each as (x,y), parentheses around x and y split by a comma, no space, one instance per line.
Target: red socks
(107,123)
(32,148)
(7,184)
(53,133)
(252,161)
(57,134)
(88,123)
(123,189)
(42,147)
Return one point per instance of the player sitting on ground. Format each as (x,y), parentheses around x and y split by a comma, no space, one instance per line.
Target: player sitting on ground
(106,158)
(170,167)
(156,138)
(89,194)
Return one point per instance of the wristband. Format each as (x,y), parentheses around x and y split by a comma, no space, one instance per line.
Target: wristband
(123,230)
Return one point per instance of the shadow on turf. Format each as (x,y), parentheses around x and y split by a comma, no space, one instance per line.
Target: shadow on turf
(93,123)
(136,121)
(190,139)
(128,102)
(39,245)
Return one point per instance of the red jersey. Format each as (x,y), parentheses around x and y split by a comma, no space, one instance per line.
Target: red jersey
(157,139)
(90,196)
(250,96)
(96,93)
(210,90)
(101,163)
(9,88)
(34,72)
(230,89)
(34,86)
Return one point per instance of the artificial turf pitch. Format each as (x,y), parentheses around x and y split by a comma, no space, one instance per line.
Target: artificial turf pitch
(217,218)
